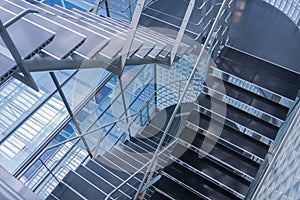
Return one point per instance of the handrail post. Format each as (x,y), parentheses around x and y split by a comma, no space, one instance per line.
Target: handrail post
(96,6)
(124,106)
(182,95)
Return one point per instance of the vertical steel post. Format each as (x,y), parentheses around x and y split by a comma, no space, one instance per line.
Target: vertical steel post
(124,106)
(107,9)
(155,86)
(96,6)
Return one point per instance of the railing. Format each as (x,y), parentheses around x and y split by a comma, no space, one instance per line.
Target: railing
(47,169)
(147,111)
(216,38)
(142,170)
(290,8)
(124,8)
(270,171)
(205,12)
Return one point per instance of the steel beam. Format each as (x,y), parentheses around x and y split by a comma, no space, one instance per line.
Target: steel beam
(60,91)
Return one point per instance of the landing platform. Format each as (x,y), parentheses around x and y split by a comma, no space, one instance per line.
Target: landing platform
(257,28)
(261,30)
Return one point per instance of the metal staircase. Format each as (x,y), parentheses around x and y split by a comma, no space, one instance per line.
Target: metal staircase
(220,152)
(58,39)
(100,176)
(209,165)
(200,163)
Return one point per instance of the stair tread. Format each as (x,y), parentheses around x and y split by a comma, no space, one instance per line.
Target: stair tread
(124,164)
(216,172)
(50,197)
(115,176)
(175,190)
(83,187)
(158,196)
(97,181)
(102,171)
(240,117)
(226,155)
(63,192)
(257,71)
(231,135)
(248,98)
(197,182)
(129,147)
(142,146)
(116,170)
(128,156)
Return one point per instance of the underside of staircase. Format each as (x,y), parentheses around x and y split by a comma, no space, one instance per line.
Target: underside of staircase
(61,39)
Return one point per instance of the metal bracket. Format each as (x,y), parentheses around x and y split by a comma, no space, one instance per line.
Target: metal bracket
(26,78)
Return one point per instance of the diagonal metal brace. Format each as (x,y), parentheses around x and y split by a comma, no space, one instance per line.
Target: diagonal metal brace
(26,78)
(131,32)
(182,29)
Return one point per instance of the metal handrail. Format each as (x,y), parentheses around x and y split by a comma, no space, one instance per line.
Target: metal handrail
(113,101)
(148,100)
(280,140)
(99,128)
(138,171)
(201,55)
(66,141)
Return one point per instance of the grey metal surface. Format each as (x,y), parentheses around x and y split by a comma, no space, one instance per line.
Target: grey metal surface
(89,48)
(11,188)
(274,37)
(142,32)
(36,36)
(117,29)
(6,66)
(65,40)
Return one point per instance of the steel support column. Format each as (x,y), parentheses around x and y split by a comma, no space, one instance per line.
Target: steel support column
(70,112)
(124,105)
